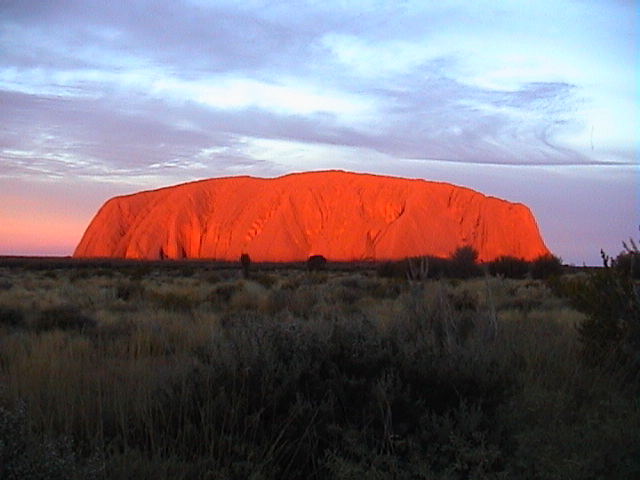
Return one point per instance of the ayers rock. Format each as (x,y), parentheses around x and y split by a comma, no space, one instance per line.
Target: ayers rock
(340,215)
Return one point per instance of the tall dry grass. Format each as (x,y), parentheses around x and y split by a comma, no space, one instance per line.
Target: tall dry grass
(291,374)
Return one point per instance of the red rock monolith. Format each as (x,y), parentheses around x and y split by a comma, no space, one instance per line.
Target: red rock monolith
(340,215)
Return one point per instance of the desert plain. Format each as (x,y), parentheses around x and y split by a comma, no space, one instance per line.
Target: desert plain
(193,369)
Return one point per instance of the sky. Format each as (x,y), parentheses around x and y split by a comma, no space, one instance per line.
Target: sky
(530,101)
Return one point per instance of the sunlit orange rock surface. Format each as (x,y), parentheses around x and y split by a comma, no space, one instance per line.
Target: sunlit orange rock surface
(342,216)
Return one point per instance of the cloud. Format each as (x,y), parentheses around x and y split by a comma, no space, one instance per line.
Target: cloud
(281,97)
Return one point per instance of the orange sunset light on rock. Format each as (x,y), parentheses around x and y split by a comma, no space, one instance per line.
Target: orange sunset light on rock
(340,215)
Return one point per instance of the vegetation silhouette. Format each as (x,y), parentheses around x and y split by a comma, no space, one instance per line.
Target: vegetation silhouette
(316,263)
(245,263)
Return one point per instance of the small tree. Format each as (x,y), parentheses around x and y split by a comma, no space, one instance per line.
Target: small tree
(316,263)
(245,262)
(463,262)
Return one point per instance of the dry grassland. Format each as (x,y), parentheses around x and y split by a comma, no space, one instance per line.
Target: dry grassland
(195,372)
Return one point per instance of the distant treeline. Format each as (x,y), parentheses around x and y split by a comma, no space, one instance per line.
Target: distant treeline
(464,264)
(461,264)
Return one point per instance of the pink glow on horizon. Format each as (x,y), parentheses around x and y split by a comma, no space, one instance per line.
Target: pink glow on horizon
(39,234)
(33,226)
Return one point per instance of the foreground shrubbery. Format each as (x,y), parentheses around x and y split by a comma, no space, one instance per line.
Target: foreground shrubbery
(307,375)
(306,400)
(24,455)
(610,297)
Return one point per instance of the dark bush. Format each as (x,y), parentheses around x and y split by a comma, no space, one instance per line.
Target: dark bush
(439,267)
(298,391)
(388,270)
(316,263)
(610,298)
(63,318)
(546,266)
(11,317)
(610,332)
(463,263)
(129,290)
(399,269)
(628,263)
(509,267)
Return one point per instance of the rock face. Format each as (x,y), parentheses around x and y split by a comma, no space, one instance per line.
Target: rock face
(342,216)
